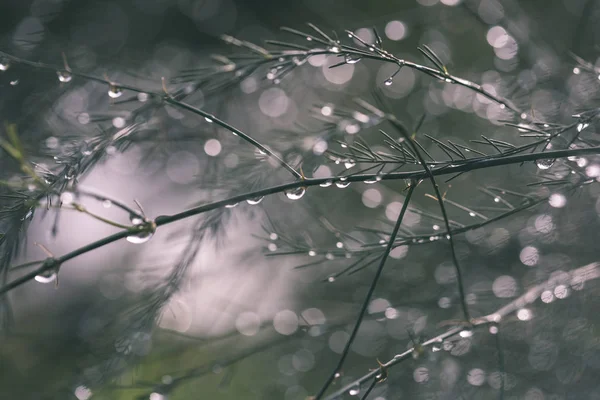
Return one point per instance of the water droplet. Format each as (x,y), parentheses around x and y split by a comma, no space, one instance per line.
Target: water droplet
(296,193)
(298,61)
(329,256)
(354,391)
(502,106)
(114,91)
(47,276)
(255,200)
(312,253)
(326,184)
(334,49)
(4,64)
(106,203)
(545,163)
(231,205)
(14,83)
(472,214)
(349,164)
(309,38)
(352,60)
(576,71)
(371,181)
(64,76)
(209,120)
(339,245)
(388,81)
(136,219)
(28,216)
(140,237)
(342,184)
(331,279)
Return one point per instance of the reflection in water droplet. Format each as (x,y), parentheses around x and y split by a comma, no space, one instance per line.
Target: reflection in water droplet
(342,184)
(296,193)
(255,200)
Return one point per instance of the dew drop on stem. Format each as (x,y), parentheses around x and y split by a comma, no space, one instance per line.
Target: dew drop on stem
(114,91)
(46,276)
(135,219)
(388,82)
(295,193)
(232,205)
(4,64)
(342,184)
(255,200)
(64,76)
(140,237)
(545,163)
(326,184)
(354,391)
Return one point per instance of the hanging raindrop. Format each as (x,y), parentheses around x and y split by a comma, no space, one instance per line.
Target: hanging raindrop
(349,164)
(114,91)
(135,219)
(296,193)
(388,81)
(4,64)
(255,200)
(326,184)
(354,391)
(140,237)
(342,184)
(64,76)
(231,205)
(145,232)
(545,163)
(47,276)
(352,60)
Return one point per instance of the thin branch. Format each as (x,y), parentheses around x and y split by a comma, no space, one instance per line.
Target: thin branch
(576,277)
(367,299)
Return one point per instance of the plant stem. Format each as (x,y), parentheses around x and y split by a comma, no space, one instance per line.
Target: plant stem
(474,164)
(367,299)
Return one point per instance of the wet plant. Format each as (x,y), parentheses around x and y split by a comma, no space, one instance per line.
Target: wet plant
(411,168)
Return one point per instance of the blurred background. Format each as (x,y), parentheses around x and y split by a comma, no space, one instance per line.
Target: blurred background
(255,302)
